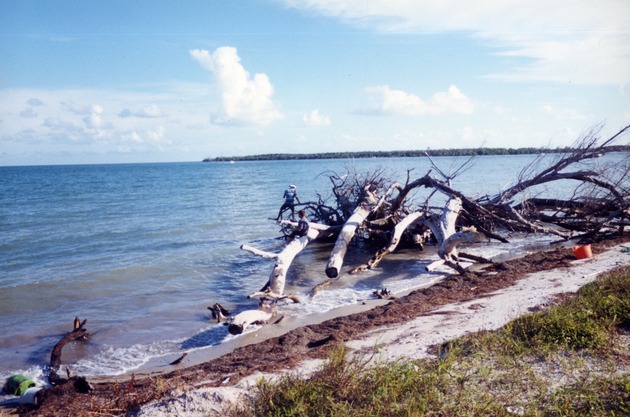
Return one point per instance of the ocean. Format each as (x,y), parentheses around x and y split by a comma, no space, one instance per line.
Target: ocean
(141,251)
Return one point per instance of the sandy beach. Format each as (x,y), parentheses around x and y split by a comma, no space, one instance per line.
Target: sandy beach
(412,338)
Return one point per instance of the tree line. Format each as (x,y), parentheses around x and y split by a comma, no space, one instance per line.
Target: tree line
(403,154)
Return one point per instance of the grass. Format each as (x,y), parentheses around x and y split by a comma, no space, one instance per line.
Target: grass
(560,362)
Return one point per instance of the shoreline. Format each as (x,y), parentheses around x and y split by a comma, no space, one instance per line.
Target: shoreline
(280,326)
(263,333)
(413,339)
(457,303)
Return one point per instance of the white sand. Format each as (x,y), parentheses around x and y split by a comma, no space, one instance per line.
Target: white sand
(412,339)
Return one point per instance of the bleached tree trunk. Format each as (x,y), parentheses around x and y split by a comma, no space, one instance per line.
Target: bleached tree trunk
(248,317)
(363,210)
(273,291)
(447,237)
(277,279)
(343,240)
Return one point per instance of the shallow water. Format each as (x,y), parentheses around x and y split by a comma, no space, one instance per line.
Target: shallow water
(140,251)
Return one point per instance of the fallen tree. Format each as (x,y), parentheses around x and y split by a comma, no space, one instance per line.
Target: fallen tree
(372,207)
(273,291)
(274,288)
(599,204)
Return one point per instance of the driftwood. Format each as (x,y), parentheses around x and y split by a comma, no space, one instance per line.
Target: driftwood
(238,323)
(448,238)
(602,208)
(370,206)
(367,204)
(277,279)
(78,333)
(399,229)
(261,316)
(273,291)
(600,204)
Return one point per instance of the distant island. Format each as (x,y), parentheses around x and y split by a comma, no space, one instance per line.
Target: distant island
(402,154)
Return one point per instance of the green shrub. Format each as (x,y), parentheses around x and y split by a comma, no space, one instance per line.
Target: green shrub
(587,321)
(561,326)
(609,297)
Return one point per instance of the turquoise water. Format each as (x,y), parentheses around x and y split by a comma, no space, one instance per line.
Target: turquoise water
(141,250)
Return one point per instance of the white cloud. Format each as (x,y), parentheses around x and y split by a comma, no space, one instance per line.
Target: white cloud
(398,102)
(72,119)
(314,119)
(155,135)
(94,118)
(584,42)
(150,111)
(245,100)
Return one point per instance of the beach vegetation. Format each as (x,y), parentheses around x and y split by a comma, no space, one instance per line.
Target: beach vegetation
(402,154)
(587,321)
(570,359)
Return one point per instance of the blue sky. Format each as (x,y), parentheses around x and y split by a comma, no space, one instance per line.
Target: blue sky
(156,81)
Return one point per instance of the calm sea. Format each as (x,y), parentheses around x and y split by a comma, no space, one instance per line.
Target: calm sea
(141,250)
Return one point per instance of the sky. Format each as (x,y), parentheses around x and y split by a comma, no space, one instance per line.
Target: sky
(118,81)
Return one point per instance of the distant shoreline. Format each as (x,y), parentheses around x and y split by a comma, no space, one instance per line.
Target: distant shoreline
(403,154)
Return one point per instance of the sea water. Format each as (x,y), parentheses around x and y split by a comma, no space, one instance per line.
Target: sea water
(141,251)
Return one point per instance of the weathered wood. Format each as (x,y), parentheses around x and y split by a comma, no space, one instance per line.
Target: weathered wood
(448,238)
(476,258)
(218,312)
(343,240)
(277,279)
(448,248)
(242,320)
(586,149)
(399,229)
(320,287)
(348,230)
(273,290)
(258,252)
(78,333)
(361,202)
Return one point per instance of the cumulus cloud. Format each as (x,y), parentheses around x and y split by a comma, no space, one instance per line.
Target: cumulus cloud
(245,100)
(585,42)
(398,102)
(94,117)
(314,119)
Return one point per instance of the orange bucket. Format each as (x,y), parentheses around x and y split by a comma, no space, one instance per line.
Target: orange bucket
(582,252)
